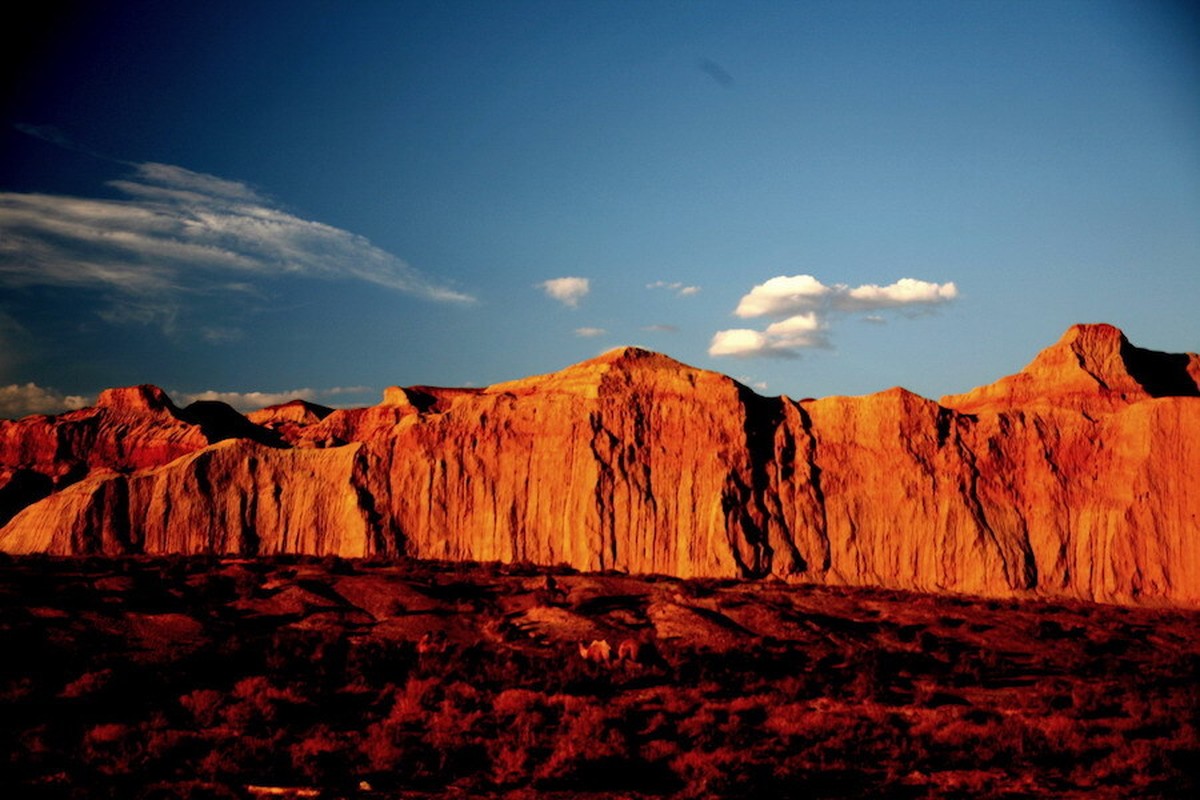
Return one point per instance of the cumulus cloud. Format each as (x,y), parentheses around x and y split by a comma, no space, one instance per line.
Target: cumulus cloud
(786,295)
(904,292)
(178,232)
(781,296)
(568,291)
(738,342)
(803,305)
(21,400)
(681,289)
(783,339)
(590,332)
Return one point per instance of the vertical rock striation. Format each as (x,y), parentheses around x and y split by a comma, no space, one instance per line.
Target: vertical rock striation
(1078,477)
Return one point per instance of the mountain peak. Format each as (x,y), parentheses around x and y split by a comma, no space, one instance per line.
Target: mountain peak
(135,399)
(622,365)
(1092,367)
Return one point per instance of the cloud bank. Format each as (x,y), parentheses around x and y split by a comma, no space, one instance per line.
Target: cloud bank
(252,401)
(178,232)
(21,400)
(568,291)
(803,305)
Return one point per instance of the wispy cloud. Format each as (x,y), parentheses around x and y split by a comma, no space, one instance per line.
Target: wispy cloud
(715,71)
(178,233)
(590,332)
(679,288)
(21,400)
(13,341)
(661,328)
(568,291)
(752,383)
(803,305)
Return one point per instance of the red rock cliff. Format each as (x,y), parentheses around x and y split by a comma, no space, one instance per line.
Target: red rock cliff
(1078,477)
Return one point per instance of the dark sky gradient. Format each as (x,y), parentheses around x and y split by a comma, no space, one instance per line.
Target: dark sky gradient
(397,180)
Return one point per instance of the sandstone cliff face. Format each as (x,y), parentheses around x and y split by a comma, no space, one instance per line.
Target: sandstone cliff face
(290,420)
(129,429)
(235,497)
(1078,477)
(1092,368)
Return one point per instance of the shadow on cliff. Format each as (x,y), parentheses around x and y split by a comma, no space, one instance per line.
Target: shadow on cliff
(219,421)
(1160,374)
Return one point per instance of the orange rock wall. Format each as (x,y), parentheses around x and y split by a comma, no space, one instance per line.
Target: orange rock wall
(1072,479)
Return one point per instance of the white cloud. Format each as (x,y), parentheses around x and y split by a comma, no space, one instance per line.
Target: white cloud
(681,289)
(661,328)
(904,292)
(786,295)
(781,339)
(248,401)
(590,332)
(752,383)
(782,296)
(21,400)
(803,305)
(339,390)
(218,335)
(739,342)
(180,232)
(252,401)
(568,291)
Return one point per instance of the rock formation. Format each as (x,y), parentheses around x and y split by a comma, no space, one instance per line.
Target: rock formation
(1078,477)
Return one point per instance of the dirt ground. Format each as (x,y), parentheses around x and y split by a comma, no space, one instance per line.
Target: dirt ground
(304,677)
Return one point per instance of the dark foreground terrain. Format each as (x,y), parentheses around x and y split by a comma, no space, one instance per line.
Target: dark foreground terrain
(299,677)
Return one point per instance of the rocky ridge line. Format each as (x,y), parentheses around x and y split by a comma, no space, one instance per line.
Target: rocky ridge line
(1078,477)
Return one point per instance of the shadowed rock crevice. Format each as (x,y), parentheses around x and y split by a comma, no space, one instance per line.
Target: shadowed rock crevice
(219,421)
(1160,374)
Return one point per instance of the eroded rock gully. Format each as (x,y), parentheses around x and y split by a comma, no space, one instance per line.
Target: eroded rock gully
(1077,477)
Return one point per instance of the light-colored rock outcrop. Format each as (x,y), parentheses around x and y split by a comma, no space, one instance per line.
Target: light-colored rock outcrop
(233,497)
(1078,477)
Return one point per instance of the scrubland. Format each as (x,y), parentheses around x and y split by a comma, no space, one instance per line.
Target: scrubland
(207,678)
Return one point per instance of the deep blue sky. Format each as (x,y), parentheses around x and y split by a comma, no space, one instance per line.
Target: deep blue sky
(269,197)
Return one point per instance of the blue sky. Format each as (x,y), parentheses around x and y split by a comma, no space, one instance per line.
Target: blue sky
(263,199)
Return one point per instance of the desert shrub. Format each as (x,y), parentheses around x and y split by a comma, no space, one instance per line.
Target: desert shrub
(800,721)
(326,757)
(454,728)
(204,705)
(394,748)
(523,722)
(89,683)
(110,748)
(376,662)
(587,733)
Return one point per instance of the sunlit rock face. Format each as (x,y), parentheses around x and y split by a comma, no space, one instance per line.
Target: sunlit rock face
(1078,477)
